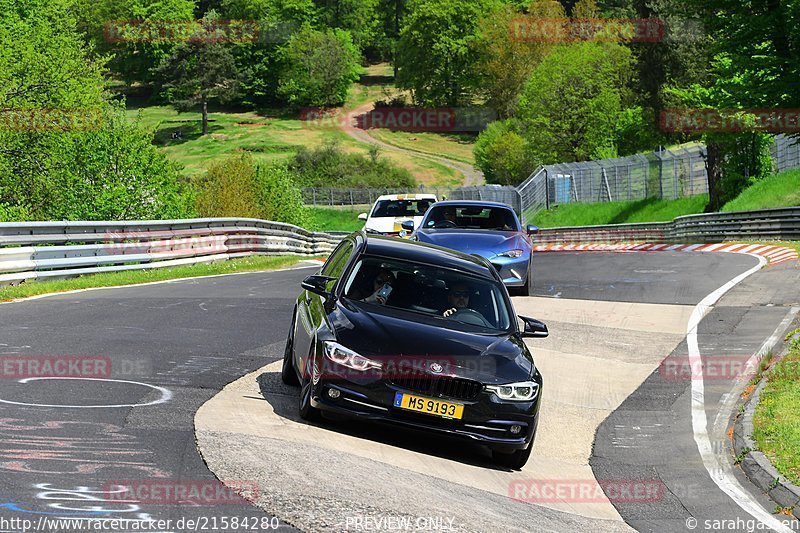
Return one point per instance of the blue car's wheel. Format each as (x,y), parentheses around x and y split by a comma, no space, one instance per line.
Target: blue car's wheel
(526,289)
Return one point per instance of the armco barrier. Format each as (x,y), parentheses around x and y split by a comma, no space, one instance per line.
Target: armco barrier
(39,250)
(767,224)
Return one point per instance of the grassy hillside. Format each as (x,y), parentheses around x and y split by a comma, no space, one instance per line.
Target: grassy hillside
(781,190)
(331,219)
(650,210)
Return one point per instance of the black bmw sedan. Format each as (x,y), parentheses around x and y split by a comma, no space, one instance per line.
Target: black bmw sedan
(417,335)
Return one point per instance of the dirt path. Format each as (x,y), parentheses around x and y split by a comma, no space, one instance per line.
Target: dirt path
(472,176)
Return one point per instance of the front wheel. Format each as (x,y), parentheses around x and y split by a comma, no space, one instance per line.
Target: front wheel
(308,412)
(526,289)
(514,460)
(288,374)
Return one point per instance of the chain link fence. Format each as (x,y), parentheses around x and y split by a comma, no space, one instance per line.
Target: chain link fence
(332,197)
(669,174)
(786,153)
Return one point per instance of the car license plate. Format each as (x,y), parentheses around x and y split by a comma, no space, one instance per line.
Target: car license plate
(428,406)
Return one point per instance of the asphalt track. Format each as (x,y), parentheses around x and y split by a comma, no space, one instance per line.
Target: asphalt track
(191,338)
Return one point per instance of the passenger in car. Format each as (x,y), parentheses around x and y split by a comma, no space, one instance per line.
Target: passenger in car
(380,289)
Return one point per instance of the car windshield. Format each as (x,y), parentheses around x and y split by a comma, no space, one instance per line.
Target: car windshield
(471,217)
(457,299)
(401,208)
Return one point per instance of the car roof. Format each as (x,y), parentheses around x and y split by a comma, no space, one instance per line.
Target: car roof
(475,203)
(391,247)
(410,196)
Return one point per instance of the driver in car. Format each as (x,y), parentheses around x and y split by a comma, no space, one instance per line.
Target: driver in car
(457,298)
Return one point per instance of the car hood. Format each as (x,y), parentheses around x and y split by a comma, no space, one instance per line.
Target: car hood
(485,243)
(395,335)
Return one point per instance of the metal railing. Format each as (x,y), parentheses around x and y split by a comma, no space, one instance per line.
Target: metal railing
(767,224)
(41,250)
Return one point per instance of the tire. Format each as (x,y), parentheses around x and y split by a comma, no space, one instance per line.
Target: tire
(308,412)
(526,289)
(514,460)
(288,373)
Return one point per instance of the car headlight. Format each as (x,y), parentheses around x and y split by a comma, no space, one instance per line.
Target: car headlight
(346,357)
(512,253)
(515,392)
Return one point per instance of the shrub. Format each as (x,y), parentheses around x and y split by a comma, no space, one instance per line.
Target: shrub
(329,166)
(501,153)
(237,187)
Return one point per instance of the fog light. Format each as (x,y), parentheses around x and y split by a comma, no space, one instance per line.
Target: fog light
(515,429)
(334,394)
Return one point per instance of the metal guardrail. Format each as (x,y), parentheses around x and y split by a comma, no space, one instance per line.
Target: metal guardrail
(41,250)
(767,224)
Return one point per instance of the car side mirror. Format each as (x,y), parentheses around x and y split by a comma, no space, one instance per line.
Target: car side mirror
(362,216)
(317,285)
(407,225)
(532,230)
(534,328)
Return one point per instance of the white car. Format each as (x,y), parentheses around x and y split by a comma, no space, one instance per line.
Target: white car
(391,210)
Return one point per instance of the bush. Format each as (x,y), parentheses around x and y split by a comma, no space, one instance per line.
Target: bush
(329,166)
(237,187)
(321,68)
(501,153)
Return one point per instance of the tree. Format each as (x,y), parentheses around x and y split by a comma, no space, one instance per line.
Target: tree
(359,17)
(75,156)
(320,67)
(507,59)
(134,49)
(199,73)
(502,154)
(437,57)
(571,105)
(756,64)
(391,14)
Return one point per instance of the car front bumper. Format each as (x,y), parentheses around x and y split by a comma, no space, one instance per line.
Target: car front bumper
(513,271)
(487,419)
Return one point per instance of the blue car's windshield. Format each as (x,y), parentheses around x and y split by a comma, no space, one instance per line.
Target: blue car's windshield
(471,217)
(436,292)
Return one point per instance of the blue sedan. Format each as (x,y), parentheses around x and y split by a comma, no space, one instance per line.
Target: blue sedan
(489,229)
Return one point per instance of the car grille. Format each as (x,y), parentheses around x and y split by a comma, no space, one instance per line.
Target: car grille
(456,388)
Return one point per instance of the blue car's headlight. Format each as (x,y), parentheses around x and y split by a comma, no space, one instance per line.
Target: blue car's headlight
(515,392)
(512,253)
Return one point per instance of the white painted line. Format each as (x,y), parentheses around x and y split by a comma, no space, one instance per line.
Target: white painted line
(719,470)
(166,394)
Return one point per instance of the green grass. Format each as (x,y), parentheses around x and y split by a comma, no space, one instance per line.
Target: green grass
(274,135)
(451,146)
(650,210)
(331,219)
(132,277)
(781,190)
(776,423)
(268,136)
